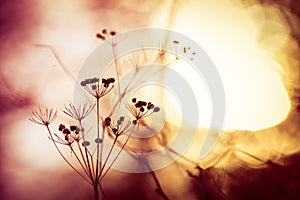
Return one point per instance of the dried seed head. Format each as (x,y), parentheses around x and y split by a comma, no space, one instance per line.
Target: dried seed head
(102,37)
(156,109)
(138,104)
(111,80)
(66,131)
(73,128)
(114,130)
(150,106)
(61,127)
(143,103)
(142,109)
(98,140)
(113,33)
(85,143)
(95,80)
(82,83)
(108,119)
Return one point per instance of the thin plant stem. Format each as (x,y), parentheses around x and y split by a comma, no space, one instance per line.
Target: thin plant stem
(80,162)
(102,190)
(98,136)
(62,65)
(159,190)
(114,160)
(65,157)
(93,166)
(116,65)
(108,155)
(86,157)
(88,162)
(96,191)
(82,156)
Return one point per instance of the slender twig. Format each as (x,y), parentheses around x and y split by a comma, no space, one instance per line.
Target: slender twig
(108,155)
(80,162)
(114,160)
(65,159)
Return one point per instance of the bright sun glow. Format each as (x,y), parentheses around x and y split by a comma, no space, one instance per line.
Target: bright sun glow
(255,95)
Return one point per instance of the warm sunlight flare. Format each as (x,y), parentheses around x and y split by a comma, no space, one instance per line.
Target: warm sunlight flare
(255,94)
(93,105)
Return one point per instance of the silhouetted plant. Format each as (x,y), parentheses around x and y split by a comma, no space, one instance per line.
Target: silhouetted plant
(93,166)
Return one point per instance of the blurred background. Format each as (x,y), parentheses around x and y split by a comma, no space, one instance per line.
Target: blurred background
(255,47)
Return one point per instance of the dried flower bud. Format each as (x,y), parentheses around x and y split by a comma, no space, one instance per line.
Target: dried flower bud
(112,80)
(73,128)
(134,122)
(108,119)
(95,80)
(113,33)
(85,143)
(104,31)
(82,83)
(156,109)
(143,103)
(98,140)
(77,130)
(142,109)
(100,36)
(94,87)
(150,106)
(66,131)
(138,104)
(114,130)
(61,127)
(133,100)
(122,118)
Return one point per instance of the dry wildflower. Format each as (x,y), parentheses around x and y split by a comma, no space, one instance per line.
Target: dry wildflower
(96,87)
(106,34)
(141,109)
(43,116)
(119,128)
(80,112)
(70,135)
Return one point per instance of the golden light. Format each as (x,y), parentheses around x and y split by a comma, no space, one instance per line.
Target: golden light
(254,50)
(255,94)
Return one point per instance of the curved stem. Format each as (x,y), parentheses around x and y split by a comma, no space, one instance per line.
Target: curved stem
(96,191)
(65,159)
(98,136)
(114,160)
(102,190)
(108,155)
(80,162)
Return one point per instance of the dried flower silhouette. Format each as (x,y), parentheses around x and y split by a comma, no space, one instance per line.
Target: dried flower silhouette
(78,113)
(88,157)
(141,109)
(43,116)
